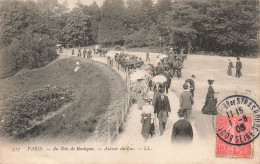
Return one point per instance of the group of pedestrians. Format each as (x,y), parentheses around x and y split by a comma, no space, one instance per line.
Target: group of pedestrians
(238,68)
(158,108)
(82,53)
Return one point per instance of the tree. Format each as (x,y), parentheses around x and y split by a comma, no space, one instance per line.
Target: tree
(78,28)
(163,6)
(26,39)
(112,24)
(179,24)
(94,12)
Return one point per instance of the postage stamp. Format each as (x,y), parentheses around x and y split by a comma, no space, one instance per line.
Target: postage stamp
(238,125)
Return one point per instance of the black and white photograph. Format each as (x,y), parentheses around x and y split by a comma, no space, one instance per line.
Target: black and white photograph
(129,81)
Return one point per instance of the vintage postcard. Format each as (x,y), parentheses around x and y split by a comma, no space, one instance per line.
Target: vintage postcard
(129,82)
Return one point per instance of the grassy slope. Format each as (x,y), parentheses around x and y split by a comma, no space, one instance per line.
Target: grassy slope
(92,91)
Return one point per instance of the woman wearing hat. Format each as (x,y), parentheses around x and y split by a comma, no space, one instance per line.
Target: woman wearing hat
(211,101)
(147,119)
(230,66)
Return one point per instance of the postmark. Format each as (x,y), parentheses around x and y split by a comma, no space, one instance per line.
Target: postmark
(238,125)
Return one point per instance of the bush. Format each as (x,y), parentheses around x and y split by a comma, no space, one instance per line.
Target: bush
(20,112)
(137,39)
(30,51)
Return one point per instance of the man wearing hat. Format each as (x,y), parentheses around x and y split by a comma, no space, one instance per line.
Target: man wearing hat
(186,101)
(147,56)
(182,130)
(158,69)
(162,109)
(238,68)
(192,84)
(168,75)
(179,67)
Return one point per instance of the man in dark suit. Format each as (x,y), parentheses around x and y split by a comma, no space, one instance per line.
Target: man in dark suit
(182,130)
(84,53)
(159,70)
(192,84)
(238,68)
(147,56)
(168,75)
(162,109)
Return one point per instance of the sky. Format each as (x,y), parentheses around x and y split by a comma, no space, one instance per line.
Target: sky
(71,3)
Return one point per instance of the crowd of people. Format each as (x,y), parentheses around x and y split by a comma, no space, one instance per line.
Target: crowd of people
(154,92)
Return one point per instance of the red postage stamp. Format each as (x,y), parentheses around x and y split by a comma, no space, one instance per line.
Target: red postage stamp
(238,125)
(237,134)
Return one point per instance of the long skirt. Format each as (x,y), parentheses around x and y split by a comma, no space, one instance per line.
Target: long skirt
(146,128)
(210,107)
(229,71)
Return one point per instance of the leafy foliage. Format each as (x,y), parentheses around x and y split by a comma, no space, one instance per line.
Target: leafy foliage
(78,28)
(21,111)
(27,36)
(112,24)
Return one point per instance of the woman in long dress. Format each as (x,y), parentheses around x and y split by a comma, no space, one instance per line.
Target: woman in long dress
(147,119)
(211,101)
(230,66)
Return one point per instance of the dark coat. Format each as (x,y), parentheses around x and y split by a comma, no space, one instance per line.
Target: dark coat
(239,65)
(186,100)
(156,93)
(162,104)
(210,104)
(159,70)
(182,132)
(230,66)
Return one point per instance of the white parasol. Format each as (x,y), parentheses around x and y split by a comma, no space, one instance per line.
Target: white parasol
(139,74)
(159,79)
(163,56)
(112,55)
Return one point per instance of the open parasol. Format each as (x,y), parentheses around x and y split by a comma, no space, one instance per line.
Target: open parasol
(159,79)
(163,56)
(112,55)
(140,74)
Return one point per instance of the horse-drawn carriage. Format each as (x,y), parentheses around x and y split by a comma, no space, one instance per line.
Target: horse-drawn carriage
(100,50)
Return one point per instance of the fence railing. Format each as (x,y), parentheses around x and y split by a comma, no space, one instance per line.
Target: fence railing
(121,112)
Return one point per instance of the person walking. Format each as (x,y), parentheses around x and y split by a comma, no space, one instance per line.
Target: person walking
(182,130)
(186,102)
(192,84)
(211,101)
(147,56)
(162,109)
(230,66)
(179,67)
(238,68)
(79,52)
(159,70)
(73,51)
(168,75)
(84,53)
(156,92)
(147,119)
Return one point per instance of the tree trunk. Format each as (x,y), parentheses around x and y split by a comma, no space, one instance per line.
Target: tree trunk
(189,46)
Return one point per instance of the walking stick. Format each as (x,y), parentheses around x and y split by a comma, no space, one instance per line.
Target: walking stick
(155,126)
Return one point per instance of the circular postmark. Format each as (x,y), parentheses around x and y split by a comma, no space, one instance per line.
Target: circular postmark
(238,120)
